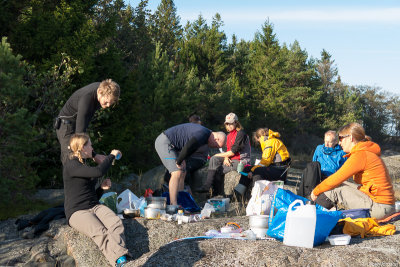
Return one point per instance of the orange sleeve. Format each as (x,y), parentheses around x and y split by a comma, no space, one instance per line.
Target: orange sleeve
(354,164)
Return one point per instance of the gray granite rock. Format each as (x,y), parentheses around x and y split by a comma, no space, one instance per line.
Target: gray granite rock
(152,242)
(153,178)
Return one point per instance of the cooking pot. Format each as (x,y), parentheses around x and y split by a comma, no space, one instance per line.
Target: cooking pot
(131,213)
(156,202)
(258,221)
(259,232)
(150,213)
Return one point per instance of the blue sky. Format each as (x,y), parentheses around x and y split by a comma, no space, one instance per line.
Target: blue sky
(363,36)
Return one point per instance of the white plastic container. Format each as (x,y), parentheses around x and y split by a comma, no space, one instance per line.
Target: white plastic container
(219,204)
(300,225)
(339,240)
(226,229)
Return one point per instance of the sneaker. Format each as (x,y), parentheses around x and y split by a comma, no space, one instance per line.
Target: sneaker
(121,261)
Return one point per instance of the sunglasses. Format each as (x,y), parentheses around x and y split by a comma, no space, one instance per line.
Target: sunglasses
(341,137)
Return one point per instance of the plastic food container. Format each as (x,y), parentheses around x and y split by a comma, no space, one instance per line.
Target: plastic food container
(219,204)
(226,229)
(339,240)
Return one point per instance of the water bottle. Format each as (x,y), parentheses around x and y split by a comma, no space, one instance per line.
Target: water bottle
(240,167)
(117,157)
(300,225)
(180,216)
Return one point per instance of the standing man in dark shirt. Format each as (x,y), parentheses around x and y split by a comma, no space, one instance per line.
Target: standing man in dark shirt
(197,160)
(79,109)
(177,144)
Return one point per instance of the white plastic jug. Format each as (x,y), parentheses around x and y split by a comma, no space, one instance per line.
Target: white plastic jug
(300,225)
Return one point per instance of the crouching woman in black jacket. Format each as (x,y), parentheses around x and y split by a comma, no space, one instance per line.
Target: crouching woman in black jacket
(82,208)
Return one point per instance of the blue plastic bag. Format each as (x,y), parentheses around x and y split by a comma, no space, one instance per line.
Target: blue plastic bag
(185,200)
(326,220)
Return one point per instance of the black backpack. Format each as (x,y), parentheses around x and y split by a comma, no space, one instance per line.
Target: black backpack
(310,178)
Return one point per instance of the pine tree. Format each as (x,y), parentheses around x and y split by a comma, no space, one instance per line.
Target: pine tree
(166,28)
(18,144)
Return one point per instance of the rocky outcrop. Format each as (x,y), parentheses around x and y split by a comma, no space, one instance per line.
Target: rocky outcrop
(45,250)
(152,243)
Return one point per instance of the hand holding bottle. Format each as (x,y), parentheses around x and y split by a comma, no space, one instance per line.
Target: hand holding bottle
(117,155)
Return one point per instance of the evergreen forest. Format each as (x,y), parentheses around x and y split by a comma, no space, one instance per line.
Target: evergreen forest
(166,72)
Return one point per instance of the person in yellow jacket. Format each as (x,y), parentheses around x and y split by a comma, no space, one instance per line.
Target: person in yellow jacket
(373,189)
(274,161)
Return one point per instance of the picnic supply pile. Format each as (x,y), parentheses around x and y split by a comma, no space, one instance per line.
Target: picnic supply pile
(274,214)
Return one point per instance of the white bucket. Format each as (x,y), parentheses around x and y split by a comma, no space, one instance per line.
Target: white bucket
(300,225)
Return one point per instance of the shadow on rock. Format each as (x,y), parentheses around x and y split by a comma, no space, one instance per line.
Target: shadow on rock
(137,238)
(178,253)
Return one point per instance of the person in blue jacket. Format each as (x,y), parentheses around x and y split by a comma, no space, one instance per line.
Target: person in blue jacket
(329,155)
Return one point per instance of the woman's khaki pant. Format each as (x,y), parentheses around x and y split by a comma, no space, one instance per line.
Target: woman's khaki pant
(104,227)
(349,196)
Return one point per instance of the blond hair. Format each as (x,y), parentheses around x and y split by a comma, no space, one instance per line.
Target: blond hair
(356,131)
(110,88)
(76,143)
(260,132)
(333,134)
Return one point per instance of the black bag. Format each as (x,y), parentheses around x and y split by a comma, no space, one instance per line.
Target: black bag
(310,178)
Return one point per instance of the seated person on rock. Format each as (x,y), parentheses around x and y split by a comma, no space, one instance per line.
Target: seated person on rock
(82,207)
(197,160)
(274,161)
(238,150)
(373,189)
(177,144)
(329,155)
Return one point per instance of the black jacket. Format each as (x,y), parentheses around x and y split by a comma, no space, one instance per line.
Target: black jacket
(80,182)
